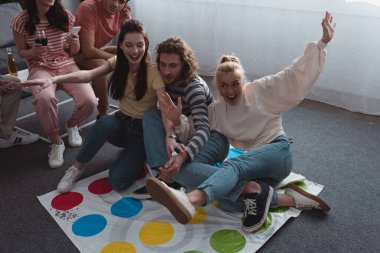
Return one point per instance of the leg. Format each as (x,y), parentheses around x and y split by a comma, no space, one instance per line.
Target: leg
(84,98)
(45,103)
(8,112)
(99,84)
(108,128)
(124,171)
(154,139)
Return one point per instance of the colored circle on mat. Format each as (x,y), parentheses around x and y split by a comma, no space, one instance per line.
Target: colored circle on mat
(100,186)
(89,225)
(126,207)
(199,217)
(227,241)
(267,223)
(118,247)
(156,232)
(66,201)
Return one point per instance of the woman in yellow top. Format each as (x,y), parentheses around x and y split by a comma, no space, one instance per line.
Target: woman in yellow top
(136,83)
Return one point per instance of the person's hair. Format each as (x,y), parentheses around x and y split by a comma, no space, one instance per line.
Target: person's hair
(178,46)
(118,81)
(229,63)
(56,16)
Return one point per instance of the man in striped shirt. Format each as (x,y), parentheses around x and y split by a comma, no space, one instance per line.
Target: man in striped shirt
(179,69)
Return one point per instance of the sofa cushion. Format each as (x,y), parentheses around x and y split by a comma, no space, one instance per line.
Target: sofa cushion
(7,13)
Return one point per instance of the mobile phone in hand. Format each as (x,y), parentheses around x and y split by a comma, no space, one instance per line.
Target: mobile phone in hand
(75,30)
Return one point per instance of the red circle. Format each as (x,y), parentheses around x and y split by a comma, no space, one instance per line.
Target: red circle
(66,201)
(100,186)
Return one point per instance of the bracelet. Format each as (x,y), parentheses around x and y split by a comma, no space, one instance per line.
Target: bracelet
(172,136)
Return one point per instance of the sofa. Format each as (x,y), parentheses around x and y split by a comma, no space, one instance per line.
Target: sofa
(7,12)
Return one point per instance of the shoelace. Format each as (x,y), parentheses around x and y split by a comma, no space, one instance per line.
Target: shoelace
(54,153)
(250,207)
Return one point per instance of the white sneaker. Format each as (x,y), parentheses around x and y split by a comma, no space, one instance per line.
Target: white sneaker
(18,137)
(56,155)
(74,138)
(305,200)
(67,182)
(174,200)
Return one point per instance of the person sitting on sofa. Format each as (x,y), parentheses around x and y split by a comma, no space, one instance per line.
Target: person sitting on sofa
(9,101)
(100,20)
(50,58)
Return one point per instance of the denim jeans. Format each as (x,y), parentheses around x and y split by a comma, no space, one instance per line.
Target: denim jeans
(215,150)
(122,131)
(270,163)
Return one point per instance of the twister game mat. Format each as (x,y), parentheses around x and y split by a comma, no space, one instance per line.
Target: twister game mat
(98,219)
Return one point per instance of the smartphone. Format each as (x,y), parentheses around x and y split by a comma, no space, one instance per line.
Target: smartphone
(75,30)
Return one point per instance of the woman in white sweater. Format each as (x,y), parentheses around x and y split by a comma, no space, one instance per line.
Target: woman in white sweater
(249,115)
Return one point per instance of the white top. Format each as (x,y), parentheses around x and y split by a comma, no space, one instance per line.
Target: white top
(256,120)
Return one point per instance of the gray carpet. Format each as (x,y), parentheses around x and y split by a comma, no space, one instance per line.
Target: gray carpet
(333,147)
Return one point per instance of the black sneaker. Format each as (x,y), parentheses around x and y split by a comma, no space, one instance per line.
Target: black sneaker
(256,208)
(142,193)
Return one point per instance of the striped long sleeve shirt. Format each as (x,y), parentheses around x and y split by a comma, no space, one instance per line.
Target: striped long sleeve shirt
(195,96)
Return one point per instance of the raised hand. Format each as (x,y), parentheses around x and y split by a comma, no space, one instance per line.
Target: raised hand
(328,28)
(169,109)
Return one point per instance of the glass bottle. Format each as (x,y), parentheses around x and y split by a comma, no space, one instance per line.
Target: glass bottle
(12,68)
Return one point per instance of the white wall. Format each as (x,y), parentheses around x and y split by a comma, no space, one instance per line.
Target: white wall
(268,34)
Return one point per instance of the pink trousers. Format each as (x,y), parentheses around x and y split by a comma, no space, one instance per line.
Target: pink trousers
(45,101)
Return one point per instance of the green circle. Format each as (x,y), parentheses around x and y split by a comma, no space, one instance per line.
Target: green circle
(267,223)
(301,184)
(281,209)
(227,241)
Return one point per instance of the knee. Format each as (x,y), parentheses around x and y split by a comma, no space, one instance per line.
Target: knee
(118,183)
(151,117)
(44,100)
(88,103)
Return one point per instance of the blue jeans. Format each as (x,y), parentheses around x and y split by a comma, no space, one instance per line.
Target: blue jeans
(122,131)
(270,163)
(215,150)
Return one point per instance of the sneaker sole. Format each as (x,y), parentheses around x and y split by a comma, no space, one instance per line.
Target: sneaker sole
(323,205)
(260,224)
(141,196)
(163,195)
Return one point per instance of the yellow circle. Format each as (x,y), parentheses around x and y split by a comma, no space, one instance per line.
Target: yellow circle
(199,217)
(118,247)
(156,233)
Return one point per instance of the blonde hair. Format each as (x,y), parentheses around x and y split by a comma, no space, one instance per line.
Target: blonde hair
(229,63)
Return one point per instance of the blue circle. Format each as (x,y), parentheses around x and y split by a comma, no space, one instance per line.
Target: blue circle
(126,207)
(89,225)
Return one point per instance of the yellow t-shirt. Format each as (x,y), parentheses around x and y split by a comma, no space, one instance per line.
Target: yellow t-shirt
(136,108)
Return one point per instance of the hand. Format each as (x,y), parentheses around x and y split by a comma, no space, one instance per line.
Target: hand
(38,50)
(126,13)
(169,109)
(174,164)
(72,39)
(43,83)
(328,28)
(172,145)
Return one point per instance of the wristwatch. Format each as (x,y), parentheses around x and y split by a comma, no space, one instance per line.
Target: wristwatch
(172,136)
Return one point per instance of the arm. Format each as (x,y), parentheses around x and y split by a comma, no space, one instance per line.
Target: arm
(22,48)
(89,50)
(291,85)
(81,76)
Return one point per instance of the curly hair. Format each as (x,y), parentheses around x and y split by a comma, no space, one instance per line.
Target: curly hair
(56,16)
(178,46)
(229,63)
